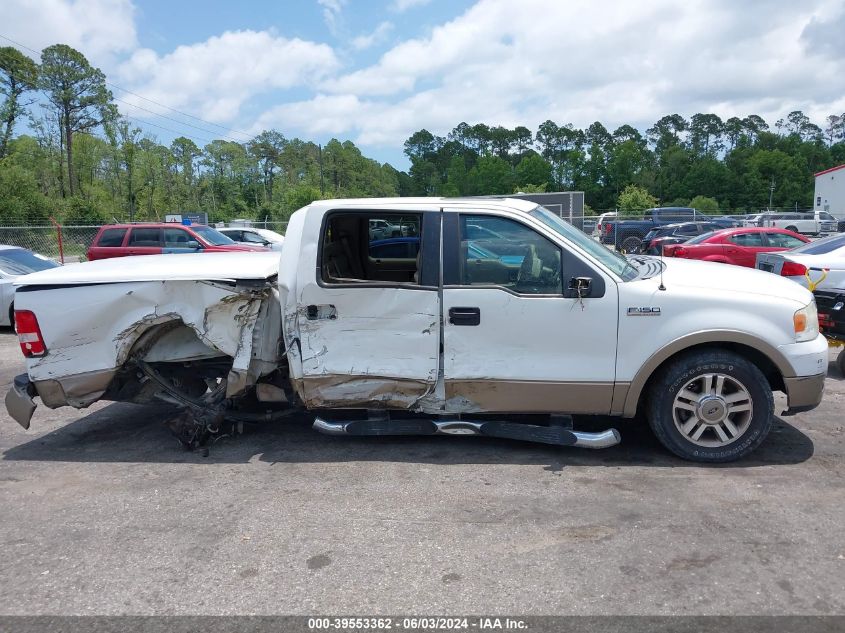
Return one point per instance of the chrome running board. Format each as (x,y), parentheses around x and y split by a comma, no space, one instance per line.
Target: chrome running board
(555,435)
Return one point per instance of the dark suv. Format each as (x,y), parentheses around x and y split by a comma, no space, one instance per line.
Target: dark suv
(120,240)
(661,236)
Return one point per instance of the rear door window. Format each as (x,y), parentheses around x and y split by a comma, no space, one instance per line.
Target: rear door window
(145,237)
(112,237)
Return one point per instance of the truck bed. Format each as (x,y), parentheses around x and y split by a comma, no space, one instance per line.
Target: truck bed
(189,267)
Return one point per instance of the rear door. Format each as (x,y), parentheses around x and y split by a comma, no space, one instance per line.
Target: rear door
(109,243)
(515,337)
(143,240)
(369,318)
(742,248)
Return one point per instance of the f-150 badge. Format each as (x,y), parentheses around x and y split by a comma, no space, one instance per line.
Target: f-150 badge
(643,311)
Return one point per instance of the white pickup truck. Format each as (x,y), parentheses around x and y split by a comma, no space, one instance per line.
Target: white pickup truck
(494,318)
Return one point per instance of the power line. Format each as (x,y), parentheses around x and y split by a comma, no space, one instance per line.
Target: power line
(196,127)
(167,129)
(222,127)
(191,116)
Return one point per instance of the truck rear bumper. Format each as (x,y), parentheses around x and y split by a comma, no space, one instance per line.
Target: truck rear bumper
(19,400)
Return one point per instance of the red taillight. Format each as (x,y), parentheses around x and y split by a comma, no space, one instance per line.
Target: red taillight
(606,228)
(791,269)
(673,250)
(825,321)
(29,334)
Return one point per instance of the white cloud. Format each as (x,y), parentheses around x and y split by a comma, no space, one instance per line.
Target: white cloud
(378,35)
(403,5)
(332,10)
(215,77)
(97,28)
(509,63)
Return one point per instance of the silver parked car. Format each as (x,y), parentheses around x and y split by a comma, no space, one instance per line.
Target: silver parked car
(823,261)
(14,262)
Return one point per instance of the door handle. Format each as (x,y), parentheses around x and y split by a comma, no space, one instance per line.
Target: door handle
(464,316)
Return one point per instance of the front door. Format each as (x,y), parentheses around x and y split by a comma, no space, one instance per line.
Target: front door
(516,337)
(369,315)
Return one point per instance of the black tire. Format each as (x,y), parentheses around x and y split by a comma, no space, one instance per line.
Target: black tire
(840,362)
(630,244)
(692,369)
(12,316)
(792,228)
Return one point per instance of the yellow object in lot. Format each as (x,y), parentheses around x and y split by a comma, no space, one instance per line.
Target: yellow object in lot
(811,285)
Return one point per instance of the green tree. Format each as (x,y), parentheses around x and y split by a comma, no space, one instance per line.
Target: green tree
(635,200)
(21,203)
(299,196)
(533,170)
(704,204)
(18,75)
(79,94)
(491,176)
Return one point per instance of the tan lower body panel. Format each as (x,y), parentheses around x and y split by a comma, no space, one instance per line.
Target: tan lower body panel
(77,391)
(521,396)
(370,392)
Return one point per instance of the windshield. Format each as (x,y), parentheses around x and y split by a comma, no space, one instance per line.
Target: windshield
(613,260)
(212,236)
(824,215)
(824,245)
(17,261)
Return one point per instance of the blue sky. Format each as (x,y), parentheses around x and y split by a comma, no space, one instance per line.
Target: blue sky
(375,71)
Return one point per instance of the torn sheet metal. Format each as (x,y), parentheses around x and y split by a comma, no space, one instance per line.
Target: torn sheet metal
(98,325)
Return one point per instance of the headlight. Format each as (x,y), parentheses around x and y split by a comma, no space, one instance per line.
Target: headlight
(806,323)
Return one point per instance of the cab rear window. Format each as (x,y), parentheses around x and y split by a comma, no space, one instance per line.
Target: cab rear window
(112,237)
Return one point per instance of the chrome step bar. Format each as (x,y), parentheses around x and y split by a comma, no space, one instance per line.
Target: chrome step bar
(556,435)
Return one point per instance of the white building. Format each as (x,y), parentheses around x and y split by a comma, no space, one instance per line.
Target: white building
(830,191)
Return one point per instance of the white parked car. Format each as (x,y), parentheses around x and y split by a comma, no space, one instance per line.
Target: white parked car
(14,262)
(442,337)
(254,236)
(823,260)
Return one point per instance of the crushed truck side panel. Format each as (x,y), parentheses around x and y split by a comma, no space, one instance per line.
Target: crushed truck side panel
(92,337)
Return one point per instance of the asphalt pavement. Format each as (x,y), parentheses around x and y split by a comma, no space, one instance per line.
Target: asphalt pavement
(102,512)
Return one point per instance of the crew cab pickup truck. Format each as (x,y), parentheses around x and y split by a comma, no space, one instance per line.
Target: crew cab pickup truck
(503,332)
(627,234)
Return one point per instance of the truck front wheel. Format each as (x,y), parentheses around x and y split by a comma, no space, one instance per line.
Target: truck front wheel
(710,406)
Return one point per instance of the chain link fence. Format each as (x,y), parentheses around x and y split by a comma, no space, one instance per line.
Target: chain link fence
(610,228)
(45,240)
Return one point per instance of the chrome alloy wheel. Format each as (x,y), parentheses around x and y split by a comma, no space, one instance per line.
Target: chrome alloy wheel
(713,410)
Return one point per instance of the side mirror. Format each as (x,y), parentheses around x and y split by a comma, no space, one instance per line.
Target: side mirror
(581,286)
(193,244)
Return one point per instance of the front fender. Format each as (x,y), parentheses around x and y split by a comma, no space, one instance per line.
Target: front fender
(627,401)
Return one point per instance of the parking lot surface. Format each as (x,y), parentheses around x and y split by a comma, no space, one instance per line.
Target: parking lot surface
(104,513)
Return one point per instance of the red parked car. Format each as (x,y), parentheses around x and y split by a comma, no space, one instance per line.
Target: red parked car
(119,240)
(737,246)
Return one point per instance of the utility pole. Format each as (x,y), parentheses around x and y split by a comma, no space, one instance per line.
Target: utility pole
(771,193)
(320,147)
